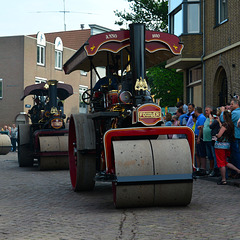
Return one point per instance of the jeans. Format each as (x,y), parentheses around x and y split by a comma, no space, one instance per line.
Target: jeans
(14,143)
(214,157)
(235,153)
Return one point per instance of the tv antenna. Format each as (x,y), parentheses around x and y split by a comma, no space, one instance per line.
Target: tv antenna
(64,13)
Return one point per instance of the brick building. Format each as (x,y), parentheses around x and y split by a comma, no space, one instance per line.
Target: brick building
(25,60)
(210,61)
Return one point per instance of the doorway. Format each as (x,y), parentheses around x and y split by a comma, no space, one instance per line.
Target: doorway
(220,92)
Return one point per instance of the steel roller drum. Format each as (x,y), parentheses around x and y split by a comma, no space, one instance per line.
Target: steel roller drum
(148,158)
(53,144)
(5,144)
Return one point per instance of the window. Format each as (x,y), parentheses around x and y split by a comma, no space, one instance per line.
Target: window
(193,22)
(41,45)
(222,11)
(1,88)
(82,105)
(58,59)
(83,73)
(184,16)
(41,55)
(178,23)
(58,53)
(40,80)
(194,85)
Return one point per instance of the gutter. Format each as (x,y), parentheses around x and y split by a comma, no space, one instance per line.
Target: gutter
(202,59)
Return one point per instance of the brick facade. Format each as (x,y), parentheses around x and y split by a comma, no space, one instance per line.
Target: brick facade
(220,60)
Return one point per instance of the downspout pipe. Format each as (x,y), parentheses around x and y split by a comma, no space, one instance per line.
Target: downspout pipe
(202,60)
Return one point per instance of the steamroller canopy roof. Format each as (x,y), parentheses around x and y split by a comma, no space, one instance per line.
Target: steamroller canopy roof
(159,47)
(63,90)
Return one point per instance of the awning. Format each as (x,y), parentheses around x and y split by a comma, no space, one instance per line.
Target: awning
(159,47)
(63,90)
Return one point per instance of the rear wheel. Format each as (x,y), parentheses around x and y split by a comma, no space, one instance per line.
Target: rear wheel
(25,149)
(82,166)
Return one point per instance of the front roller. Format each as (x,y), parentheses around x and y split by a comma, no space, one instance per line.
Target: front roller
(53,153)
(82,157)
(152,173)
(5,144)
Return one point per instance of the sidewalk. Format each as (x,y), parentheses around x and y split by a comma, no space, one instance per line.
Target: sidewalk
(230,181)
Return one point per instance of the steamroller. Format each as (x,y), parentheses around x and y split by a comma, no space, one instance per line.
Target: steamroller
(45,140)
(121,139)
(5,144)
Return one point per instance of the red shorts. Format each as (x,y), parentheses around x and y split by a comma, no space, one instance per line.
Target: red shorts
(221,156)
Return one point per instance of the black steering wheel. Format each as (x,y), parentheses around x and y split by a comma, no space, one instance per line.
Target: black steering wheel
(87,96)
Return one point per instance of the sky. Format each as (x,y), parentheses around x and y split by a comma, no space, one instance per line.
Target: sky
(25,17)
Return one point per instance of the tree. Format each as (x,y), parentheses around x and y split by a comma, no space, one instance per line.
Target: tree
(151,12)
(164,83)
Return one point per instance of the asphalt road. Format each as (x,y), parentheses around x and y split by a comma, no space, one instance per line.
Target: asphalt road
(42,205)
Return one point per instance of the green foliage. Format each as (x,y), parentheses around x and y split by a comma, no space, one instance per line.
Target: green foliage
(165,84)
(151,12)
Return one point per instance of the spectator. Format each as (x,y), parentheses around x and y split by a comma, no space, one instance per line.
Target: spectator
(225,135)
(5,129)
(168,119)
(200,147)
(214,126)
(181,117)
(174,120)
(13,135)
(174,123)
(235,148)
(169,123)
(181,120)
(184,107)
(194,118)
(207,138)
(191,108)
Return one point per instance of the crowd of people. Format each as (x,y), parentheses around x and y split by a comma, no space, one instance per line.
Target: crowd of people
(12,133)
(217,137)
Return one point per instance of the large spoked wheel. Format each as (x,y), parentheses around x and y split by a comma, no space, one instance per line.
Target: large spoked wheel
(87,96)
(149,158)
(25,150)
(82,166)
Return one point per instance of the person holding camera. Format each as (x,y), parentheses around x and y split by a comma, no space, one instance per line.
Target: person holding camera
(222,146)
(207,138)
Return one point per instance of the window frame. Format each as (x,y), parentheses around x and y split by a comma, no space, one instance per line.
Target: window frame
(41,52)
(184,7)
(58,59)
(218,12)
(199,16)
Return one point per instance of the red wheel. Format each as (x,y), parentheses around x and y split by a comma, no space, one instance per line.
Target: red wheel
(82,166)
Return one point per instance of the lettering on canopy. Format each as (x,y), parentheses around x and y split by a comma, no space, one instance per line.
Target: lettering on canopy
(117,40)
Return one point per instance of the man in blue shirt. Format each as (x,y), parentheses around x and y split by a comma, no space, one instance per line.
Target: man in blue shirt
(235,146)
(191,108)
(200,147)
(181,117)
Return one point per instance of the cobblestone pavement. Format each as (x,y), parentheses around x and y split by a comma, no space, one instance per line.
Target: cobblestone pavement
(42,205)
